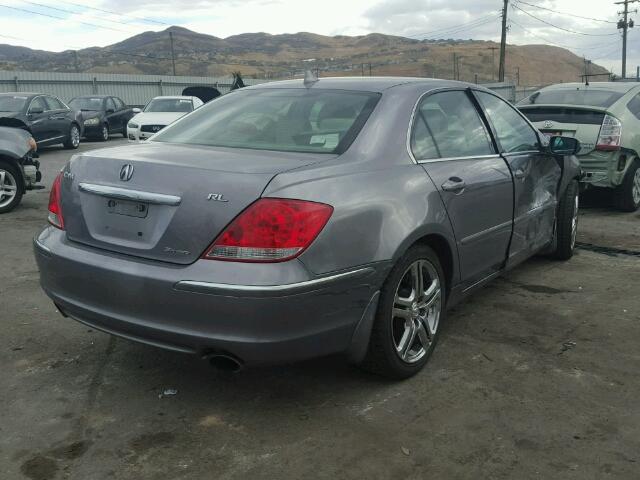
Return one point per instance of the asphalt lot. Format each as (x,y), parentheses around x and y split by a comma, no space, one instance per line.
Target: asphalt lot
(536,376)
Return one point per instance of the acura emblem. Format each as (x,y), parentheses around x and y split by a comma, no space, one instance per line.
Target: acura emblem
(126,172)
(548,124)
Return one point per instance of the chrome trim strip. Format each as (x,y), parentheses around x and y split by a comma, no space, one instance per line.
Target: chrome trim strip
(126,194)
(448,159)
(248,290)
(489,230)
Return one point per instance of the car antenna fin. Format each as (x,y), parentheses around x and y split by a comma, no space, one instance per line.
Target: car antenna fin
(309,78)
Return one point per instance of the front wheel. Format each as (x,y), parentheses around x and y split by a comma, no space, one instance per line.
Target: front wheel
(410,311)
(73,140)
(10,191)
(567,222)
(627,196)
(104,133)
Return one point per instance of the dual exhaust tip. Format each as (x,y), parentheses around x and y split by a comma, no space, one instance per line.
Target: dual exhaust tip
(224,363)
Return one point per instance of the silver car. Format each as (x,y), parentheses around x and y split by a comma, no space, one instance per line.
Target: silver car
(297,219)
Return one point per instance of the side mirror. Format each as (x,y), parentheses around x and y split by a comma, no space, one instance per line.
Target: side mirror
(564,145)
(109,111)
(136,110)
(36,111)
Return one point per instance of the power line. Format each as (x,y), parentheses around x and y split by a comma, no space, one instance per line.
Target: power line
(565,13)
(562,28)
(73,12)
(144,19)
(60,18)
(585,47)
(457,27)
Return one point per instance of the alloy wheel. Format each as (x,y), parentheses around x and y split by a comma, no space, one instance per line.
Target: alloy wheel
(75,136)
(574,222)
(105,133)
(8,188)
(416,311)
(635,188)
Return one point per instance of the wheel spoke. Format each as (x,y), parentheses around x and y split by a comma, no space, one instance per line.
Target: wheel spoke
(417,280)
(423,335)
(408,339)
(402,313)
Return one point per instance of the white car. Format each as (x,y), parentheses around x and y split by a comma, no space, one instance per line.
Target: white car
(159,112)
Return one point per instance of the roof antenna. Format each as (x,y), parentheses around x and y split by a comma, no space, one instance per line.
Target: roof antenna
(309,78)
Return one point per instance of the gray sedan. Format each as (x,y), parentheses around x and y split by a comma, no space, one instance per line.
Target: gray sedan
(297,219)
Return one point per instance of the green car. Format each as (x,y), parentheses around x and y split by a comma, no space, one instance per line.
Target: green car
(605,118)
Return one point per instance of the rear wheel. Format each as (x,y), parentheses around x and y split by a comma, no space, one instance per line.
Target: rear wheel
(124,130)
(10,191)
(73,140)
(627,196)
(567,222)
(411,309)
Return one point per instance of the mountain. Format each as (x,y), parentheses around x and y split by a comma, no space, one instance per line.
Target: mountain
(282,56)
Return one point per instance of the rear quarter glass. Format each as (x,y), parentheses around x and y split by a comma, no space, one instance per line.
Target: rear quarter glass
(287,120)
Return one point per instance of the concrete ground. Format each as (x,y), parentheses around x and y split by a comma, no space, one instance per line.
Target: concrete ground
(536,376)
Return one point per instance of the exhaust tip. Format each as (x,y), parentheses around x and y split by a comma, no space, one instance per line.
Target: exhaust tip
(225,363)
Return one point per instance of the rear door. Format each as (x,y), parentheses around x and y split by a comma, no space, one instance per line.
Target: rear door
(124,112)
(57,117)
(451,142)
(536,175)
(114,119)
(39,120)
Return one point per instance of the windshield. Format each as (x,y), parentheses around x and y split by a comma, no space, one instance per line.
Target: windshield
(288,120)
(12,103)
(590,98)
(169,105)
(86,103)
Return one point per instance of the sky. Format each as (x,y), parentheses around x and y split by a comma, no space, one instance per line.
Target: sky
(84,23)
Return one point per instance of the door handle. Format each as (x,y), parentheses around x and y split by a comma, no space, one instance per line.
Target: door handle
(519,174)
(454,184)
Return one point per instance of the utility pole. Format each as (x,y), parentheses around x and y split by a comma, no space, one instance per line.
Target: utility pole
(503,41)
(75,61)
(625,24)
(493,62)
(455,65)
(173,54)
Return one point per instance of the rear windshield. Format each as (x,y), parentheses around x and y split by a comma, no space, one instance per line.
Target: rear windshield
(590,98)
(287,120)
(86,103)
(12,103)
(169,105)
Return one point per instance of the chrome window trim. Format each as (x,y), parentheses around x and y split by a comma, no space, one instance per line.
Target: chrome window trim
(45,103)
(413,119)
(210,288)
(134,195)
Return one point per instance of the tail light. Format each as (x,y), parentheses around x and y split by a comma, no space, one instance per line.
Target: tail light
(55,208)
(271,230)
(610,134)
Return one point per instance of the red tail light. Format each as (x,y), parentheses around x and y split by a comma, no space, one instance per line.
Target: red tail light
(271,230)
(610,134)
(55,208)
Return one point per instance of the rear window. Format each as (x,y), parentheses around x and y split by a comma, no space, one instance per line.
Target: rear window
(288,120)
(169,105)
(12,103)
(563,115)
(590,98)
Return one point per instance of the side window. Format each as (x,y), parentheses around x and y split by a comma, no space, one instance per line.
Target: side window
(119,103)
(513,132)
(38,103)
(53,103)
(634,106)
(447,125)
(110,104)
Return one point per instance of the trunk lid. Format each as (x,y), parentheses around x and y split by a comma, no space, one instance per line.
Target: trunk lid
(164,201)
(582,123)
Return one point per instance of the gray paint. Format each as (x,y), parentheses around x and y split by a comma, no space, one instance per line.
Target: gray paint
(383,203)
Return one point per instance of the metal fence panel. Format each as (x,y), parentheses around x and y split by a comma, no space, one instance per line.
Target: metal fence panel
(133,89)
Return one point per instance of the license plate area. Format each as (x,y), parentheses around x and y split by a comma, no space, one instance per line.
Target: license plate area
(127,208)
(552,133)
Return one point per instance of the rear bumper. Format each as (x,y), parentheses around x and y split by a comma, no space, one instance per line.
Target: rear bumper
(270,317)
(602,169)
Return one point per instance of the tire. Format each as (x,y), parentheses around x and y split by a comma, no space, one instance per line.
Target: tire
(73,140)
(124,131)
(104,134)
(390,353)
(626,197)
(10,190)
(567,222)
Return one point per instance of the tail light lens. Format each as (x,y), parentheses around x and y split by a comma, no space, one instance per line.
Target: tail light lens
(55,208)
(610,134)
(271,230)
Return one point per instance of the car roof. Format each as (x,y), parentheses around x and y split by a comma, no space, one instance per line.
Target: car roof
(174,97)
(621,87)
(363,84)
(94,96)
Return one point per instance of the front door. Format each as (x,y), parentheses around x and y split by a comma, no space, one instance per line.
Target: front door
(536,177)
(39,120)
(451,142)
